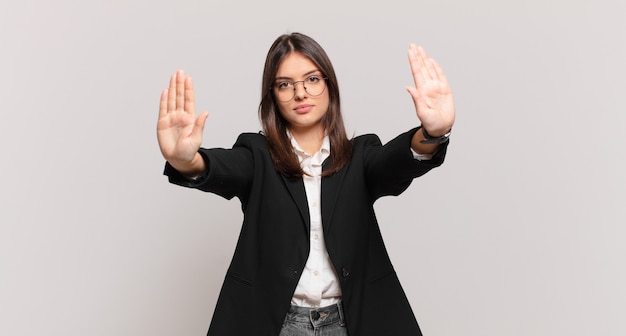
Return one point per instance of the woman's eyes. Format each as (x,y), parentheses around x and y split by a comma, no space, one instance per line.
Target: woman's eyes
(313,79)
(310,80)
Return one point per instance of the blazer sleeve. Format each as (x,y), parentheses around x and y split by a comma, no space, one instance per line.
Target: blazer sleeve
(390,168)
(229,171)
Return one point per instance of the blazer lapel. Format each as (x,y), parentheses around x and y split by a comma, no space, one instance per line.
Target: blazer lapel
(330,190)
(298,194)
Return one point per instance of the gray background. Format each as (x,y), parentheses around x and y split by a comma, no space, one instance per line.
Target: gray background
(521,232)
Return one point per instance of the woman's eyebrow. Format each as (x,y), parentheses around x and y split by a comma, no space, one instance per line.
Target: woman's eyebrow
(306,74)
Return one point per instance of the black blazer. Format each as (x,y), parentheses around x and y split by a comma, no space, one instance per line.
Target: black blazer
(273,245)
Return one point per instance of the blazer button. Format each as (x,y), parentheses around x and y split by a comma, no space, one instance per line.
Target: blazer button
(344,272)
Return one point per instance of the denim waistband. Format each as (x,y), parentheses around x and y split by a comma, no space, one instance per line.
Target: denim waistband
(317,316)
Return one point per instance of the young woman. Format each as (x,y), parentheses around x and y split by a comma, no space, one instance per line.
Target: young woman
(310,259)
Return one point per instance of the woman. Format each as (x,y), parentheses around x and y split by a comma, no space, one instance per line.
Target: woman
(310,256)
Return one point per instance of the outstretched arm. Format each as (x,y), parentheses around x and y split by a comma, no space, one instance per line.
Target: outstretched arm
(179,131)
(432,97)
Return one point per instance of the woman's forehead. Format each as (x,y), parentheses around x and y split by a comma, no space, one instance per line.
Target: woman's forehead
(295,65)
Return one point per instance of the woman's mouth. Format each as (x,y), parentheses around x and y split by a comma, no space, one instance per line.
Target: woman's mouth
(304,108)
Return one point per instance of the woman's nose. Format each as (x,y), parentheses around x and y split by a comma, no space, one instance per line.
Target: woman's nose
(299,90)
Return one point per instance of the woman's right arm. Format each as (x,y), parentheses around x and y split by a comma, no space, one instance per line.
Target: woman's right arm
(179,131)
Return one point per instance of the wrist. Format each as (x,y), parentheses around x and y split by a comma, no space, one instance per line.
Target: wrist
(194,167)
(436,137)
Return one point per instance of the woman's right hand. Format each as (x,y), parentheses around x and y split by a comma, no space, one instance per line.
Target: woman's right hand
(179,131)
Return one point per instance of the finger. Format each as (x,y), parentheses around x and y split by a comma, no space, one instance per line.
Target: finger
(189,97)
(421,52)
(180,90)
(414,93)
(163,104)
(432,71)
(426,63)
(440,74)
(413,59)
(171,94)
(428,69)
(198,126)
(416,63)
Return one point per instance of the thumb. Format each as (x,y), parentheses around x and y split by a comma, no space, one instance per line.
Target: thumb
(198,126)
(413,92)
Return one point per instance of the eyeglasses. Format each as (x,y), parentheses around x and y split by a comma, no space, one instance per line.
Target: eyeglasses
(314,85)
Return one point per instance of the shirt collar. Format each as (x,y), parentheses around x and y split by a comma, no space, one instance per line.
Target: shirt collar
(324,150)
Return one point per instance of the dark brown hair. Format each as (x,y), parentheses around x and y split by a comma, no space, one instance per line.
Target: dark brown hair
(275,126)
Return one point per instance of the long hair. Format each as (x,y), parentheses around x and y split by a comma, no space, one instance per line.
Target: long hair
(275,126)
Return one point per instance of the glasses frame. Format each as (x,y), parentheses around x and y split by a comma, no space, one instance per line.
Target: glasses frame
(293,84)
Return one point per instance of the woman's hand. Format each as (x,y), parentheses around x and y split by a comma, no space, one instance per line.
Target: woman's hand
(179,131)
(431,95)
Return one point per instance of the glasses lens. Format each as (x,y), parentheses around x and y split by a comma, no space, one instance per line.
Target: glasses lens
(314,85)
(285,94)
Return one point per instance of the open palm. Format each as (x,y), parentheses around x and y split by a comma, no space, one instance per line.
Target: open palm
(431,95)
(179,131)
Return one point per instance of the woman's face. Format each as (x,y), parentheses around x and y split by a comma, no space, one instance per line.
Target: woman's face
(304,111)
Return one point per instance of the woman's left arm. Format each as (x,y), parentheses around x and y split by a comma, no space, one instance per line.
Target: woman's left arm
(432,97)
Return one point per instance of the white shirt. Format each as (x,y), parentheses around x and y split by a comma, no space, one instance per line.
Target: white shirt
(319,285)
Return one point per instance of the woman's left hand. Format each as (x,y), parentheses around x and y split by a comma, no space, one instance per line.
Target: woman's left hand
(431,95)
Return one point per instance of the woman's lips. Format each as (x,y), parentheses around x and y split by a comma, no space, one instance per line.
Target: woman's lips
(304,108)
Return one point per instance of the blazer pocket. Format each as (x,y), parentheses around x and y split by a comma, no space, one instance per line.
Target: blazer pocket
(238,279)
(381,275)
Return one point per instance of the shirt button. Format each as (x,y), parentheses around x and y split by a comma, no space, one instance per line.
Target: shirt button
(316,273)
(316,236)
(315,204)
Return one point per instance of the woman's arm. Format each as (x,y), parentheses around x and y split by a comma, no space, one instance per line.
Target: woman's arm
(389,169)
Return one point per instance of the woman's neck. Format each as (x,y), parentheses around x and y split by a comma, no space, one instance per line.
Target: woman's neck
(309,140)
